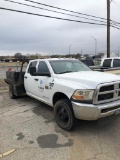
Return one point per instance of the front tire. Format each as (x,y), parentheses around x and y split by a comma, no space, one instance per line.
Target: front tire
(64,115)
(11,92)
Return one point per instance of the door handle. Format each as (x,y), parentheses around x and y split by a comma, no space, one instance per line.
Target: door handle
(25,77)
(36,79)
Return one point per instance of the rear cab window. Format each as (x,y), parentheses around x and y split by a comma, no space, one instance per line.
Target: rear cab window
(116,63)
(107,63)
(32,64)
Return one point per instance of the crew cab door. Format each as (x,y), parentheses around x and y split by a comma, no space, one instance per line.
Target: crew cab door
(44,82)
(29,80)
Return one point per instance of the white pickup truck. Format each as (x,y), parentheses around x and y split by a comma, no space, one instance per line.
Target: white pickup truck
(109,65)
(112,62)
(72,88)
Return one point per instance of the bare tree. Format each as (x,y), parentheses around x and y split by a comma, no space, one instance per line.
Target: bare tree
(18,55)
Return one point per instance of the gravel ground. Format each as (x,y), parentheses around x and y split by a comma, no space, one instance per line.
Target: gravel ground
(28,130)
(3,85)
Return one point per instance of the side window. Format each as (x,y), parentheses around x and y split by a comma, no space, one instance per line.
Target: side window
(32,64)
(116,63)
(42,67)
(107,63)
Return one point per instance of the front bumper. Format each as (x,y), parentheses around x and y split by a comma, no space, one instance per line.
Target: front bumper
(94,112)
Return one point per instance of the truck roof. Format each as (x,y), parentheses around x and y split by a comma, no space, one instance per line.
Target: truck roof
(112,58)
(55,59)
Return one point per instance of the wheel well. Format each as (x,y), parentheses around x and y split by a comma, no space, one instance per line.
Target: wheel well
(57,96)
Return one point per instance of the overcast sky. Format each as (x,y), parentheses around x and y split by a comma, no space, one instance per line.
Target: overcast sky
(31,34)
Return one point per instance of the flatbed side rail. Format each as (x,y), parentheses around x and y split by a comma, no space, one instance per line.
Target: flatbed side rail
(104,69)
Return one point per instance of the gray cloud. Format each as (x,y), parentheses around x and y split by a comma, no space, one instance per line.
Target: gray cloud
(25,33)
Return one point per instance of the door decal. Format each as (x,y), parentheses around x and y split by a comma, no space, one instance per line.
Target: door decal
(51,85)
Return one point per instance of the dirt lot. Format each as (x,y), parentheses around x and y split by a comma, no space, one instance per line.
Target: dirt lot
(3,85)
(28,131)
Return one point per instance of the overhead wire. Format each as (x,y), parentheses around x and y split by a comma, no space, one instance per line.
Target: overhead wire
(62,9)
(66,10)
(116,3)
(65,19)
(54,11)
(48,16)
(113,22)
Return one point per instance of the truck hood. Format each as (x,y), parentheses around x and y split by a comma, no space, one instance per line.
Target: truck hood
(88,79)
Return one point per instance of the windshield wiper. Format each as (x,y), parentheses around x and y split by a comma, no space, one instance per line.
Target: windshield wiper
(65,72)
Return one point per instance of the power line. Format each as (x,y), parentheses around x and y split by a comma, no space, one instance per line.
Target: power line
(67,10)
(118,6)
(116,3)
(113,22)
(53,11)
(115,26)
(50,16)
(63,9)
(40,15)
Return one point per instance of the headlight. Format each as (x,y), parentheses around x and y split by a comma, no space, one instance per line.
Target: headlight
(83,95)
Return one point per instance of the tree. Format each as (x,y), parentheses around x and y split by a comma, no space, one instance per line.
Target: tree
(18,55)
(78,56)
(101,54)
(2,57)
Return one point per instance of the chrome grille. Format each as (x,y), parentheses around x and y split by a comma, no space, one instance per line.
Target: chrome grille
(107,92)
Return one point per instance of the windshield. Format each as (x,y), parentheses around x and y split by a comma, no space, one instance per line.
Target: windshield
(67,66)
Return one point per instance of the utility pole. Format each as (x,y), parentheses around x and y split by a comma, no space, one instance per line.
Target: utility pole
(108,28)
(119,52)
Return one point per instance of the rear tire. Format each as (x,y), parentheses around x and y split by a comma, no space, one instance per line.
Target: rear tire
(11,92)
(64,114)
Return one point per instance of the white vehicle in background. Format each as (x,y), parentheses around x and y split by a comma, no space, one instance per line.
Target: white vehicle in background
(109,65)
(112,62)
(72,88)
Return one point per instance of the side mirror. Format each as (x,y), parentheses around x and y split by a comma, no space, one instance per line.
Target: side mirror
(33,71)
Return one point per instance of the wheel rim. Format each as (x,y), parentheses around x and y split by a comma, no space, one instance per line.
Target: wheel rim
(62,116)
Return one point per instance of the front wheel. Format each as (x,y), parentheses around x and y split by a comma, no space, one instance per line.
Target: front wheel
(64,115)
(11,92)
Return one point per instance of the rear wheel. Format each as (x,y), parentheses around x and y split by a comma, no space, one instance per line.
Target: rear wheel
(11,92)
(64,115)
